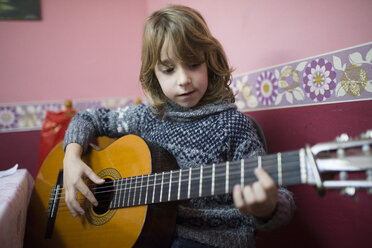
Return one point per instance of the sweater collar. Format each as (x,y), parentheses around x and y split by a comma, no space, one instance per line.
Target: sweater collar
(176,112)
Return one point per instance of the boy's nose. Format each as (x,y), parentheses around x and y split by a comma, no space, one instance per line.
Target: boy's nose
(183,77)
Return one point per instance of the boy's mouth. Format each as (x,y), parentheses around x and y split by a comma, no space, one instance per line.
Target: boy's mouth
(187,93)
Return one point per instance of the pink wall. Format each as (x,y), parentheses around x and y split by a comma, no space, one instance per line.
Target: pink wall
(80,49)
(91,49)
(261,33)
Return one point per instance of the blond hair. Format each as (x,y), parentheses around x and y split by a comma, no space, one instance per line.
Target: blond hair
(188,33)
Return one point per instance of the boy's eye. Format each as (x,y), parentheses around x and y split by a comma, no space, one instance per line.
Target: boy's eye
(195,65)
(168,70)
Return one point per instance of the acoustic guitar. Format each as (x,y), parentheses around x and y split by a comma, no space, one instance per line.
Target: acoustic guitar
(138,202)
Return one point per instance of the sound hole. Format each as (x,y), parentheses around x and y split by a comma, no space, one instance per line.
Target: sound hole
(104,193)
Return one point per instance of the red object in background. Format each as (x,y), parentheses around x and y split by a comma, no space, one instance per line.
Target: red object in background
(53,131)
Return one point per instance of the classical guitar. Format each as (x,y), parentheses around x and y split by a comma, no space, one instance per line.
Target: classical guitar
(139,176)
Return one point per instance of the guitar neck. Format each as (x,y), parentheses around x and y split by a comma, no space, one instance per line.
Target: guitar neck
(286,169)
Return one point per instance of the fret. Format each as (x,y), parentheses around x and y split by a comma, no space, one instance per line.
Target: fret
(280,178)
(118,188)
(132,190)
(127,187)
(303,166)
(201,181)
(123,189)
(153,189)
(179,185)
(157,188)
(213,178)
(117,193)
(174,185)
(140,191)
(144,185)
(147,190)
(268,163)
(189,184)
(128,193)
(227,177)
(170,185)
(165,187)
(242,172)
(184,183)
(161,189)
(134,193)
(259,162)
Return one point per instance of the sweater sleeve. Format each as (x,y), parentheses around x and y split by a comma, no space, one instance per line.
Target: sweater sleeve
(283,213)
(251,147)
(91,123)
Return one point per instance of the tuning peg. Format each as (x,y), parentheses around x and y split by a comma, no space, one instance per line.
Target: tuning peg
(367,134)
(342,138)
(350,191)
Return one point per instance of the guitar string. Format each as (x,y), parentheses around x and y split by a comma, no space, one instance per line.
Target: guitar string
(219,171)
(251,163)
(235,172)
(289,178)
(293,176)
(83,198)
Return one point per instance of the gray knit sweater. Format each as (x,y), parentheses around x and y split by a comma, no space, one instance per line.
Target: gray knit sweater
(197,136)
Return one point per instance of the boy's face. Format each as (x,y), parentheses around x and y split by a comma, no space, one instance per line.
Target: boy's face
(183,83)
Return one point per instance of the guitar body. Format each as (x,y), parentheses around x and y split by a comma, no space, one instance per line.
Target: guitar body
(139,226)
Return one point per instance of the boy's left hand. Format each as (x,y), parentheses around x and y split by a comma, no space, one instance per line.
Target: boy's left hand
(258,199)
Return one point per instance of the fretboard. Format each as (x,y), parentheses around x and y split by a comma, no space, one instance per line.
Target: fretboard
(216,179)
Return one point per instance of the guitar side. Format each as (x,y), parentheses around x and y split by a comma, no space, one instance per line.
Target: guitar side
(125,227)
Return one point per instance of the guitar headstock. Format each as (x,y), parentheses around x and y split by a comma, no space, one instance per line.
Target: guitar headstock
(345,163)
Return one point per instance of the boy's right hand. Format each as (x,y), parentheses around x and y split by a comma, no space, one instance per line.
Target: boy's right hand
(74,172)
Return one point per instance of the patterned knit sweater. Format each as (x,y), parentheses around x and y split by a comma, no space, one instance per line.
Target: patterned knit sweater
(201,135)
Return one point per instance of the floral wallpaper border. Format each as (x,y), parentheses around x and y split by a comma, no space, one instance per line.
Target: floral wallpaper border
(30,116)
(339,76)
